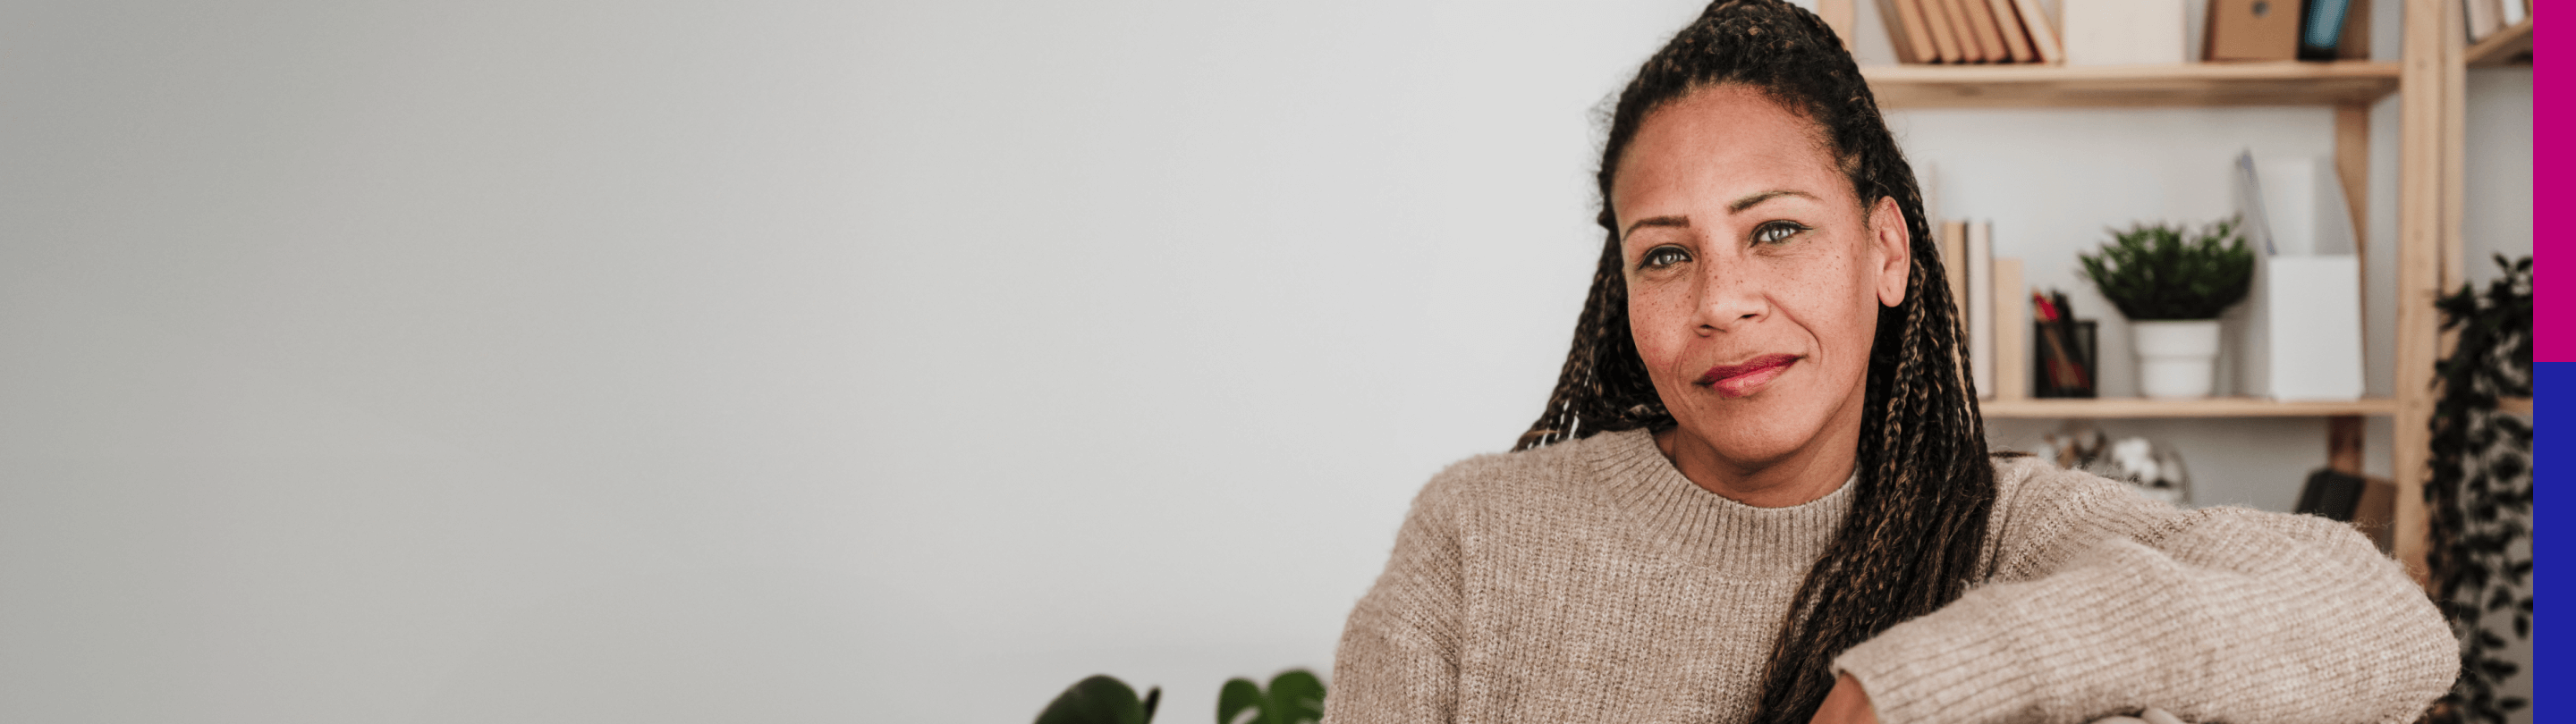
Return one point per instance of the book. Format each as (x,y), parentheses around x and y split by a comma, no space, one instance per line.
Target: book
(1990,39)
(2321,28)
(1904,21)
(1841,17)
(2485,17)
(1936,23)
(2368,503)
(1964,29)
(2043,31)
(1981,308)
(2331,493)
(2012,325)
(2016,40)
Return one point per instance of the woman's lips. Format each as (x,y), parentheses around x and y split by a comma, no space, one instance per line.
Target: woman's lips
(1738,380)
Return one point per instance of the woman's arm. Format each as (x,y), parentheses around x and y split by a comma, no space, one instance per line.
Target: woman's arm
(1398,660)
(2104,602)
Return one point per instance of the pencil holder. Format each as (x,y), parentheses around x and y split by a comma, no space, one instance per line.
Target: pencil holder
(2062,359)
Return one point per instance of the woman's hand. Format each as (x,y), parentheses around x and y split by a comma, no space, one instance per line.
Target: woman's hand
(1845,704)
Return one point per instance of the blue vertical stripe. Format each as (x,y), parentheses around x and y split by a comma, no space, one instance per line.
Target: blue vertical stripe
(2547,547)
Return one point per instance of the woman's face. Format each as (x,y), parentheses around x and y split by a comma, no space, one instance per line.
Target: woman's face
(1754,278)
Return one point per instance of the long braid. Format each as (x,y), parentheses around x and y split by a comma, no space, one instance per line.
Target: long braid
(1912,540)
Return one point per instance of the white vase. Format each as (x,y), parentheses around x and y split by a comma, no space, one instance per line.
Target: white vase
(2176,359)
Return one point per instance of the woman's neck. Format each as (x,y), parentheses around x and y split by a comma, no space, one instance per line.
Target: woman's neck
(1797,478)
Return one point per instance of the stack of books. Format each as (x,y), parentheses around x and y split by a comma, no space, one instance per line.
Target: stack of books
(1971,31)
(1990,294)
(2132,32)
(2488,17)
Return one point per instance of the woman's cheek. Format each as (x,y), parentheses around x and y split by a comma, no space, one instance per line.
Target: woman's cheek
(1660,323)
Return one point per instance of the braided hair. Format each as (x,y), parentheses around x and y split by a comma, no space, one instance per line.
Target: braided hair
(1925,485)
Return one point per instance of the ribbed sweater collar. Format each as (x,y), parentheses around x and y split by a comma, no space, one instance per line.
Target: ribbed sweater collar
(1707,529)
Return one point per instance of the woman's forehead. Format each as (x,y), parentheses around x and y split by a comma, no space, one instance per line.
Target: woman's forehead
(1723,142)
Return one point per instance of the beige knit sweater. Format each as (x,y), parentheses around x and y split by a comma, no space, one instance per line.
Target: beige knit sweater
(1590,582)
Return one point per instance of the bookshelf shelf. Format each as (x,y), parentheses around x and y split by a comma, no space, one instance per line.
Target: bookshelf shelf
(2190,84)
(2133,407)
(2510,46)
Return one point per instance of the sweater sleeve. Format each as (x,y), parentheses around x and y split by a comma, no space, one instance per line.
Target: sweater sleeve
(1398,658)
(2104,602)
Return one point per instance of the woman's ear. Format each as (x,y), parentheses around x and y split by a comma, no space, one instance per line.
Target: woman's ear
(1895,244)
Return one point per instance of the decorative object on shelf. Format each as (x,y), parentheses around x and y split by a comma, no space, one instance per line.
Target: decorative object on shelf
(2479,496)
(2153,468)
(2252,30)
(2062,358)
(1101,699)
(2124,32)
(1295,696)
(2172,290)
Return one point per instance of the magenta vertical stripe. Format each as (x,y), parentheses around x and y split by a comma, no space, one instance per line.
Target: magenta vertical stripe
(2554,311)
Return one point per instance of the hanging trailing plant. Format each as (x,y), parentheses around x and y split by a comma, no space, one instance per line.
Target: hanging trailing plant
(2480,492)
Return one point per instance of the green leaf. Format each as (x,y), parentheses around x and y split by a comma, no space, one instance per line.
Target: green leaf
(1296,697)
(1098,700)
(1238,696)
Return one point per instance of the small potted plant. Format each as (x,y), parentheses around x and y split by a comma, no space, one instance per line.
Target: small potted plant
(2172,285)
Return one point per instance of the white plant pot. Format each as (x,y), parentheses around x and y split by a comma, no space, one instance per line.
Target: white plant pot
(2176,359)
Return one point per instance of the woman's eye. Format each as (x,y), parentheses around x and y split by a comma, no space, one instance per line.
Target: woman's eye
(1776,232)
(1663,256)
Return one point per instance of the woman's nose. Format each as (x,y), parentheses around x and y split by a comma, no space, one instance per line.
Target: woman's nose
(1730,297)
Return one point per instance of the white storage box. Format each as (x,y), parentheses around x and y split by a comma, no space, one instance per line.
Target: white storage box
(2302,329)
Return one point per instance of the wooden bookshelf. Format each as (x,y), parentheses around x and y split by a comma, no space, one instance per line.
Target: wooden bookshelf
(2338,83)
(2427,90)
(2510,46)
(2137,407)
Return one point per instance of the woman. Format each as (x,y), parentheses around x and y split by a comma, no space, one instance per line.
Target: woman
(1761,491)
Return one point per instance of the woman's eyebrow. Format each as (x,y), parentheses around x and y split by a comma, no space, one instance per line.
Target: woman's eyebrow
(1750,201)
(1678,222)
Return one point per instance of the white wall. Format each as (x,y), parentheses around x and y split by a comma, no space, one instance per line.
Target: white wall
(794,360)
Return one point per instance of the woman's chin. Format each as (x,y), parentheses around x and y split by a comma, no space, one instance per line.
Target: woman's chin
(1751,440)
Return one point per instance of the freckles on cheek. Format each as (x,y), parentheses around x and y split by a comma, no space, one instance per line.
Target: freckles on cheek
(1661,329)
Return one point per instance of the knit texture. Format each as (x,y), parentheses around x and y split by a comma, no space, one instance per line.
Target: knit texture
(1589,581)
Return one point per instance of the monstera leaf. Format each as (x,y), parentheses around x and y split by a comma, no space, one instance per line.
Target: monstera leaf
(1295,697)
(1101,700)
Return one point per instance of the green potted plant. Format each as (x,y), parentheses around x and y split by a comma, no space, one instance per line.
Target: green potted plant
(1295,696)
(2172,284)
